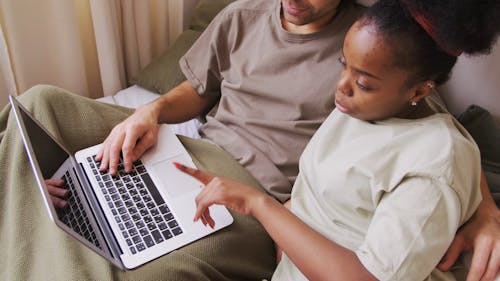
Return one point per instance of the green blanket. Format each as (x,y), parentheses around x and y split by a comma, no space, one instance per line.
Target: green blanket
(35,249)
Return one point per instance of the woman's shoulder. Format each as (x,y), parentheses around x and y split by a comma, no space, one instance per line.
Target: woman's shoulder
(441,132)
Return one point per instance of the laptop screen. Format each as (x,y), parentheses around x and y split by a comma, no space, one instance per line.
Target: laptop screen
(48,153)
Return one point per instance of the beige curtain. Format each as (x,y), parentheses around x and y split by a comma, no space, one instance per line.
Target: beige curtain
(90,47)
(7,83)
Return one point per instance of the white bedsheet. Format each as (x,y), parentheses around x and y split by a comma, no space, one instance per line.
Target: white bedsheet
(135,96)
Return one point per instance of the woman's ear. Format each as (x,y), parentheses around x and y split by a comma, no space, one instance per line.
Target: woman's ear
(422,90)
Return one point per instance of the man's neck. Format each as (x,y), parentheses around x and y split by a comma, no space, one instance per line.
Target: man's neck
(311,27)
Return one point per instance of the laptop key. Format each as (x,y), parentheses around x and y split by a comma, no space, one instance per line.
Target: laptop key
(143,232)
(172,224)
(176,231)
(164,209)
(136,239)
(167,234)
(152,189)
(149,241)
(168,216)
(141,247)
(157,236)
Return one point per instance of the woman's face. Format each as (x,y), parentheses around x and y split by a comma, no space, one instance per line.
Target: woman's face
(370,86)
(306,16)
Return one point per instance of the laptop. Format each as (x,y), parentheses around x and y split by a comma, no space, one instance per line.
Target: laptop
(130,218)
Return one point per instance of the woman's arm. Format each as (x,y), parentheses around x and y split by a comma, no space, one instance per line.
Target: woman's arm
(317,257)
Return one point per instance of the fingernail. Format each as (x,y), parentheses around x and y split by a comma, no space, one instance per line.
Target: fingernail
(177,165)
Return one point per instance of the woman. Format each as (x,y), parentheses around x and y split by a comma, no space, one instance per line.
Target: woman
(387,180)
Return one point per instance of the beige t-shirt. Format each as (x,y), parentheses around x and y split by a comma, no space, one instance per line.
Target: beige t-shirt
(275,87)
(394,192)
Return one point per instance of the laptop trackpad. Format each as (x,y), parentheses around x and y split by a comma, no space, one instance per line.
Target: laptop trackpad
(171,180)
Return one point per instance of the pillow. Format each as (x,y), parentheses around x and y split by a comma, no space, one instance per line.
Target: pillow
(205,11)
(164,72)
(486,132)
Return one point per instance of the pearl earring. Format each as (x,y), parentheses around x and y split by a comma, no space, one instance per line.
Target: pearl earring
(413,103)
(430,85)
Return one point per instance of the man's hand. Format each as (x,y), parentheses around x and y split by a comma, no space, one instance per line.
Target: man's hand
(58,195)
(481,234)
(132,138)
(139,132)
(218,190)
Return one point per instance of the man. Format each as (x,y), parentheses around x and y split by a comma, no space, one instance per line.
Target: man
(269,100)
(259,62)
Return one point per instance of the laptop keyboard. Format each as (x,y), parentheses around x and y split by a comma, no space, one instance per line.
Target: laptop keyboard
(138,208)
(74,216)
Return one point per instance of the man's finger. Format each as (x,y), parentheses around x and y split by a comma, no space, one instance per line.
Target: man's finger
(493,269)
(203,177)
(144,143)
(479,262)
(127,147)
(104,160)
(451,256)
(112,155)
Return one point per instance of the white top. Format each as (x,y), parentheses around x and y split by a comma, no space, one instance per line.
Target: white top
(394,192)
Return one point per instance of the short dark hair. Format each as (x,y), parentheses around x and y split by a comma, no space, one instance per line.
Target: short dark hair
(471,26)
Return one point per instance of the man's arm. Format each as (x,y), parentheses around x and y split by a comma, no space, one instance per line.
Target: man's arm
(181,104)
(482,235)
(139,131)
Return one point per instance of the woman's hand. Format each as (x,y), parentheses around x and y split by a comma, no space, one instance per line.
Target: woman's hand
(217,190)
(58,194)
